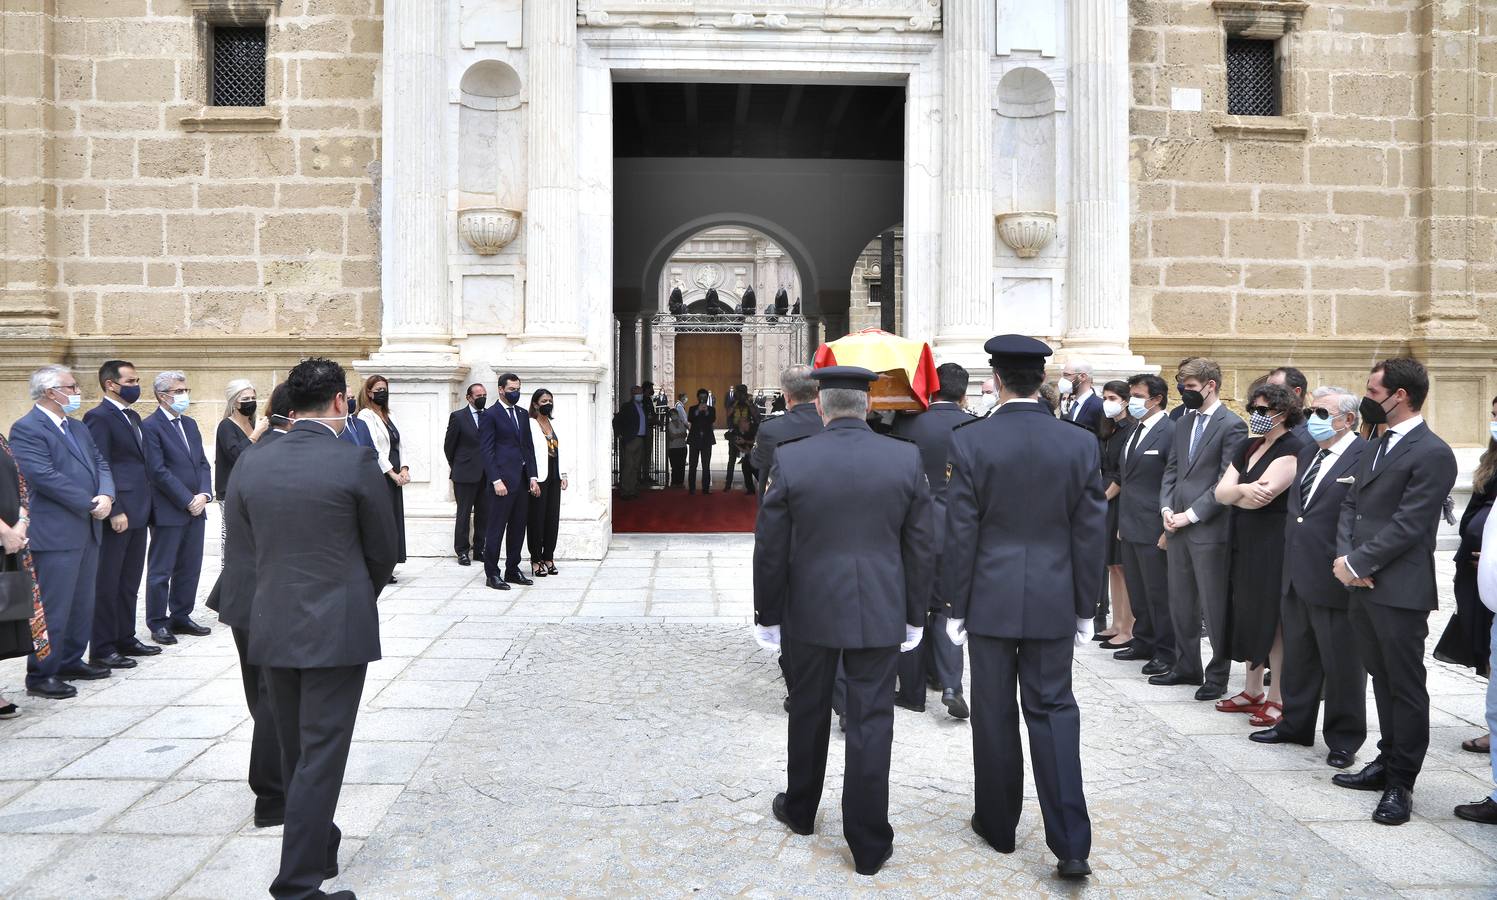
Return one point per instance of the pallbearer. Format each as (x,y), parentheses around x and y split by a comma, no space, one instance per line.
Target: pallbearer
(1024,492)
(854,583)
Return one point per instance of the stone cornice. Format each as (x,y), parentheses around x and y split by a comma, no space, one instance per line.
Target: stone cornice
(1263,19)
(768,15)
(235,12)
(222,351)
(1261,128)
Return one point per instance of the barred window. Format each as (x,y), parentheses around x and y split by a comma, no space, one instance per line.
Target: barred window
(238,70)
(1252,78)
(875,293)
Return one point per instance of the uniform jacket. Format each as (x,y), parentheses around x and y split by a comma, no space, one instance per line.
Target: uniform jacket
(1024,491)
(464,456)
(125,450)
(1191,483)
(63,481)
(508,454)
(1389,519)
(181,472)
(802,421)
(842,544)
(1310,536)
(931,431)
(1139,520)
(311,515)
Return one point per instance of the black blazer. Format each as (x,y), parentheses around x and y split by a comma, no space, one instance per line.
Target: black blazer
(508,454)
(311,516)
(1390,517)
(627,421)
(125,450)
(1310,535)
(228,442)
(1024,492)
(802,421)
(702,418)
(1139,521)
(842,544)
(1091,413)
(464,456)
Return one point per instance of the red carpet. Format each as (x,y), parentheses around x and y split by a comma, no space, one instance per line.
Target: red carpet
(673,511)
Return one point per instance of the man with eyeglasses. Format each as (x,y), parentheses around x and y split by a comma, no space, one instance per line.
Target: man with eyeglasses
(1084,407)
(71,493)
(184,488)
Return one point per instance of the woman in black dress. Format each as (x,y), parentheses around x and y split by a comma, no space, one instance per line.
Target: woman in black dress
(237,431)
(1254,486)
(1114,430)
(21,637)
(545,507)
(374,411)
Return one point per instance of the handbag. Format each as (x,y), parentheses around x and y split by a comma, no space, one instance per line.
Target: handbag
(16,590)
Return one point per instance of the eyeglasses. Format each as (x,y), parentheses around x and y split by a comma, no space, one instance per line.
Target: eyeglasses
(1319,413)
(177,392)
(68,388)
(1264,410)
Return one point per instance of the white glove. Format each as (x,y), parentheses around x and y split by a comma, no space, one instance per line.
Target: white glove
(956,630)
(912,635)
(1085,628)
(767,636)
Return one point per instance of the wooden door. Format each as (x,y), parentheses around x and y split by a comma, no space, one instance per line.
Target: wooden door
(711,361)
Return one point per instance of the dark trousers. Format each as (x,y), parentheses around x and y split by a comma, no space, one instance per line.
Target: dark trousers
(1146,572)
(314,712)
(507,518)
(1198,576)
(472,512)
(122,561)
(545,520)
(1391,643)
(1008,673)
(677,456)
(173,564)
(936,657)
(1320,653)
(630,451)
(869,742)
(704,455)
(732,462)
(66,579)
(265,746)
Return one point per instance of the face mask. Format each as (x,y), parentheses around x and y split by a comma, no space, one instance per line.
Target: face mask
(1260,424)
(1323,429)
(1064,386)
(1493,428)
(636,397)
(1192,399)
(547,408)
(985,403)
(379,398)
(71,404)
(180,402)
(130,394)
(1373,412)
(1112,408)
(511,397)
(480,402)
(247,408)
(1137,408)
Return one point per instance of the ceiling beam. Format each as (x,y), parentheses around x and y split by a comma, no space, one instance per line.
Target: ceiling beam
(693,127)
(834,121)
(642,116)
(740,117)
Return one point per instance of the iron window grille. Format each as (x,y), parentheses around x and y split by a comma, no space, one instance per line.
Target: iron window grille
(238,77)
(1252,78)
(875,293)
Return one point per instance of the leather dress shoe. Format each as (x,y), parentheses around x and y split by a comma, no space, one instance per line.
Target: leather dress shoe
(873,869)
(1073,868)
(1111,644)
(978,830)
(185,625)
(906,704)
(163,636)
(778,806)
(1171,678)
(518,578)
(1155,667)
(1275,736)
(1373,777)
(464,559)
(1484,812)
(955,704)
(51,689)
(1340,759)
(82,671)
(133,647)
(1133,651)
(1211,692)
(497,583)
(1395,807)
(113,661)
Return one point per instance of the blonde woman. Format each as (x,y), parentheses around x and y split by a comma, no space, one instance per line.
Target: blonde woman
(236,432)
(374,411)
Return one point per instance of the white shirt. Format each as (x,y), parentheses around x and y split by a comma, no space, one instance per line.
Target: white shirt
(1078,403)
(474,411)
(56,419)
(1328,463)
(1396,433)
(1016,400)
(1486,567)
(1144,425)
(117,405)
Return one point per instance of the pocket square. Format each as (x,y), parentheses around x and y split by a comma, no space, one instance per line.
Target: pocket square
(1151,453)
(1350,479)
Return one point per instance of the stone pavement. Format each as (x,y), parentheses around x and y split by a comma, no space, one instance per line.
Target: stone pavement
(614,731)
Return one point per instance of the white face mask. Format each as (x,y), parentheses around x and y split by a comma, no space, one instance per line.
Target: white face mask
(1112,409)
(985,404)
(1064,386)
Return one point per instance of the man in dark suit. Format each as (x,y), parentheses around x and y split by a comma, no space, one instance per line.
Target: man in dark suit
(631,425)
(1025,494)
(469,484)
(1385,553)
(72,493)
(700,420)
(116,431)
(853,586)
(509,465)
(1318,654)
(311,516)
(1207,439)
(357,430)
(1140,530)
(1179,411)
(938,659)
(1084,407)
(183,484)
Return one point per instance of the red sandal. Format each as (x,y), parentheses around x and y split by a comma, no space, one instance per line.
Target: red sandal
(1269,715)
(1230,705)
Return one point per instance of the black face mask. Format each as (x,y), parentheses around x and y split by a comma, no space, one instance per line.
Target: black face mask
(247,408)
(379,398)
(1192,399)
(546,409)
(480,402)
(511,397)
(1373,412)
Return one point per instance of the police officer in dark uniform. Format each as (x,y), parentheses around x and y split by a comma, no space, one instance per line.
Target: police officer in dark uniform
(1024,492)
(855,585)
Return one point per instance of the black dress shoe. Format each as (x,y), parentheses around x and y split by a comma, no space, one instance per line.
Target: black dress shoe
(1395,807)
(1275,736)
(955,704)
(163,636)
(1111,644)
(1155,667)
(1170,678)
(787,704)
(113,661)
(497,583)
(906,704)
(518,578)
(1099,637)
(977,829)
(841,722)
(51,689)
(185,625)
(778,806)
(1073,868)
(1211,692)
(82,671)
(464,559)
(1373,777)
(873,869)
(1340,759)
(1133,652)
(1484,812)
(133,647)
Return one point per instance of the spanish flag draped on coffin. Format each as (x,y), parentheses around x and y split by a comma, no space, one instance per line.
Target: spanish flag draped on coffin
(907,367)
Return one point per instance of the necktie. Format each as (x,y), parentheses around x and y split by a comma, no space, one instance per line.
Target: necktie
(1382,449)
(1307,483)
(514,417)
(67,435)
(133,418)
(1195,434)
(182,430)
(1138,434)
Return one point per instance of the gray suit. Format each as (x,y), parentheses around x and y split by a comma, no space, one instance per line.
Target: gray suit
(1145,567)
(1198,557)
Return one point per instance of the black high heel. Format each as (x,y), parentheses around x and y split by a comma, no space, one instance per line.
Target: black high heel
(551,568)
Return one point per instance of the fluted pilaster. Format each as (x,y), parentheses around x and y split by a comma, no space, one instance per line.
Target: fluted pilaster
(966,191)
(552,305)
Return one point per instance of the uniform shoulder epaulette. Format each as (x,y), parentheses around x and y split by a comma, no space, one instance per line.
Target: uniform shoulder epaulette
(788,441)
(965,424)
(900,437)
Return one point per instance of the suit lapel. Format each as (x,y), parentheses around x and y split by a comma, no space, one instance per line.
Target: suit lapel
(1213,425)
(74,446)
(1146,442)
(1397,450)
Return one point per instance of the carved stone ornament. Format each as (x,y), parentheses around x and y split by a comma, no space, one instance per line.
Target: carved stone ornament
(807,15)
(1027,232)
(709,275)
(488,228)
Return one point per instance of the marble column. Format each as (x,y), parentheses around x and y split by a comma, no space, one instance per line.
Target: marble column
(966,190)
(1097,273)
